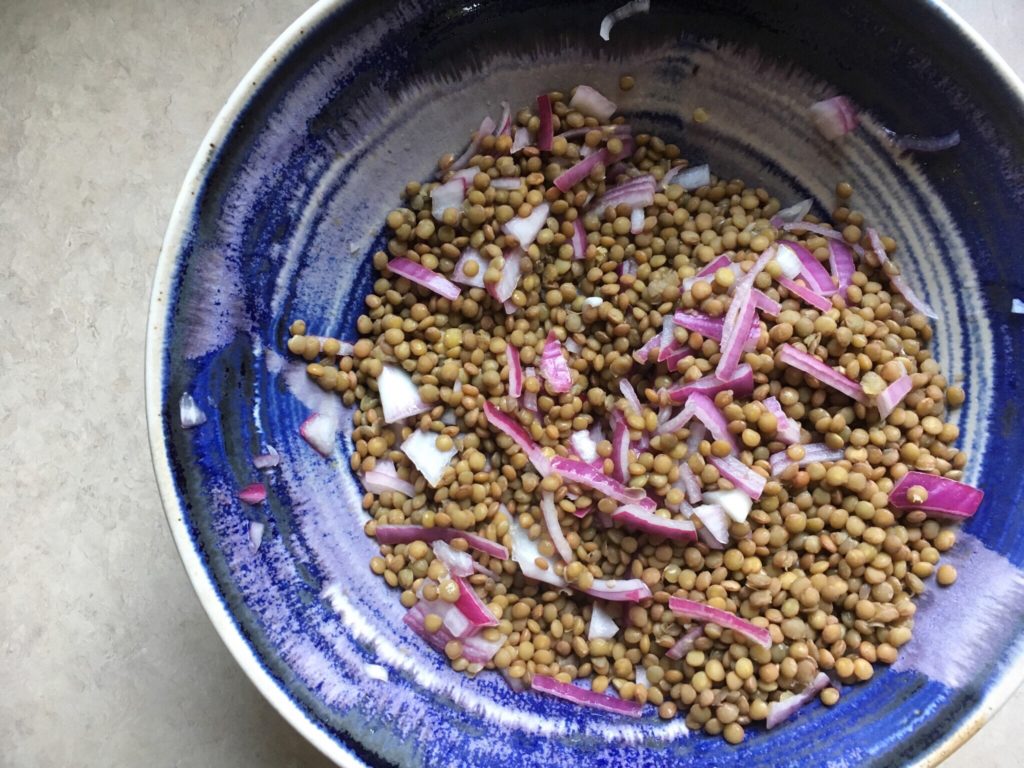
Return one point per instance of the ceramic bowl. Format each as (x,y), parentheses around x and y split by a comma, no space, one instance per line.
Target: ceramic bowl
(284,205)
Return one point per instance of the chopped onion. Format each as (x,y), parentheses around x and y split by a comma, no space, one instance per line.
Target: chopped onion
(520,139)
(685,643)
(486,129)
(897,280)
(504,126)
(507,183)
(690,483)
(550,513)
(475,649)
(766,304)
(579,239)
(709,270)
(255,493)
(553,365)
(583,445)
(812,270)
(735,503)
(739,474)
(694,177)
(786,708)
(620,446)
(376,481)
(512,428)
(945,497)
(711,327)
(525,230)
(804,293)
(618,590)
(448,195)
(592,103)
(643,354)
(706,613)
(787,429)
(267,460)
(812,366)
(834,117)
(399,395)
(583,697)
(529,398)
(545,131)
(795,212)
(630,395)
(576,471)
(635,193)
(459,273)
(472,607)
(620,13)
(893,395)
(704,408)
(503,289)
(321,431)
(636,221)
(458,563)
(256,530)
(572,176)
(789,262)
(818,229)
(814,452)
(715,521)
(431,461)
(190,413)
(601,623)
(405,534)
(741,383)
(526,554)
(739,317)
(667,342)
(840,259)
(639,519)
(910,143)
(428,278)
(515,371)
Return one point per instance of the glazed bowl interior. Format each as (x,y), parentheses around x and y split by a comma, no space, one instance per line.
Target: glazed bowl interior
(284,207)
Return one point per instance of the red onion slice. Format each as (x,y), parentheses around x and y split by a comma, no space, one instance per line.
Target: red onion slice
(786,708)
(685,643)
(946,497)
(486,129)
(812,452)
(620,447)
(579,240)
(840,259)
(573,176)
(458,563)
(639,519)
(553,365)
(897,279)
(740,475)
(512,428)
(459,273)
(619,590)
(376,481)
(545,132)
(515,371)
(405,534)
(255,493)
(429,279)
(741,383)
(577,695)
(795,212)
(716,522)
(554,528)
(811,269)
(502,290)
(472,606)
(691,178)
(630,395)
(708,614)
(893,395)
(576,471)
(834,117)
(804,293)
(520,139)
(787,430)
(812,366)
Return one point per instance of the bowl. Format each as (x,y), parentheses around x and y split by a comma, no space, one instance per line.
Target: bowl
(284,204)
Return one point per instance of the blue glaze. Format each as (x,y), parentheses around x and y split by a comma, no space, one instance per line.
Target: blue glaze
(284,208)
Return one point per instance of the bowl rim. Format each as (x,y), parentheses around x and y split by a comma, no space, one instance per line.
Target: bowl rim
(209,596)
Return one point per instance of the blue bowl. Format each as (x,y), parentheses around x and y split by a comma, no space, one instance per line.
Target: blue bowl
(285,202)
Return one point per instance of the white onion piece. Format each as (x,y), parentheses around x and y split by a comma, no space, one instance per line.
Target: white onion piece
(622,12)
(526,230)
(421,448)
(601,623)
(447,195)
(321,431)
(256,535)
(716,522)
(526,554)
(592,103)
(191,414)
(399,396)
(694,177)
(788,262)
(735,503)
(583,445)
(459,273)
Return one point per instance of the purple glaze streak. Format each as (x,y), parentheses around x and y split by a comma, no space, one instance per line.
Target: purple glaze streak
(961,628)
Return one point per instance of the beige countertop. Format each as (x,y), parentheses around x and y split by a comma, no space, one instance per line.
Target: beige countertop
(106,658)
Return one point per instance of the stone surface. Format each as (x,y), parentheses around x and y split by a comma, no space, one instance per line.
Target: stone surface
(106,658)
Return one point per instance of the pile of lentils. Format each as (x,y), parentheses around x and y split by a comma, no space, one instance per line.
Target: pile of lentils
(822,559)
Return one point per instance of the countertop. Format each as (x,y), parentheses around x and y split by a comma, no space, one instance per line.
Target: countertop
(106,658)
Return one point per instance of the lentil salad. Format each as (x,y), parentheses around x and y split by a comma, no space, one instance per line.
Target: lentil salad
(624,423)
